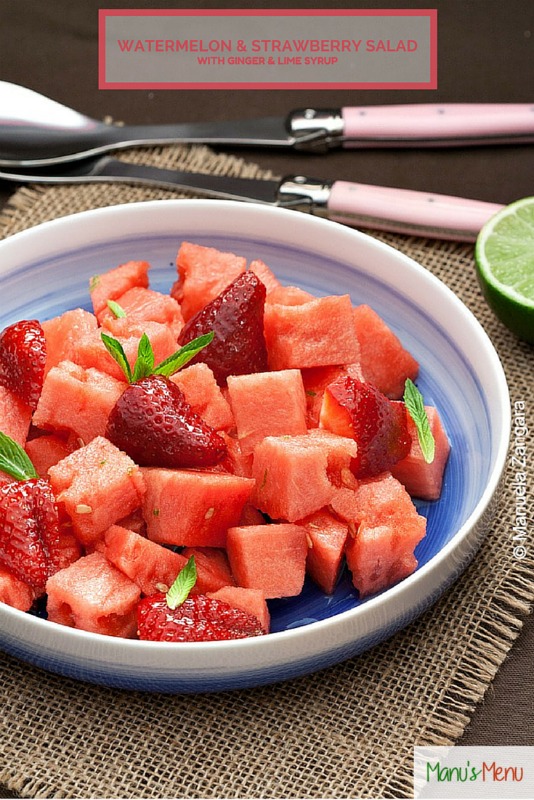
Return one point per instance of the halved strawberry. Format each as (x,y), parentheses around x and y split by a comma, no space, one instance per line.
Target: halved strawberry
(29,531)
(198,619)
(236,318)
(154,424)
(22,360)
(177,617)
(361,412)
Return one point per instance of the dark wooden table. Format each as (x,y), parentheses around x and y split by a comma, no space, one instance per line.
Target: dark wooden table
(486,54)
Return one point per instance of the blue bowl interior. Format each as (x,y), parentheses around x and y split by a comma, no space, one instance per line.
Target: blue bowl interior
(44,289)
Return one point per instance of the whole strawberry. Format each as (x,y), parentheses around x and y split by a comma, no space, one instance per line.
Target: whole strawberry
(29,523)
(236,318)
(176,617)
(154,424)
(22,360)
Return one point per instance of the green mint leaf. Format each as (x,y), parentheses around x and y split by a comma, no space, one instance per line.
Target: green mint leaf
(116,309)
(144,364)
(93,283)
(116,350)
(14,460)
(413,400)
(179,591)
(182,356)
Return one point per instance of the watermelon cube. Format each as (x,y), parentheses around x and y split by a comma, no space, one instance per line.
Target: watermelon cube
(250,600)
(63,333)
(288,296)
(213,569)
(298,475)
(69,548)
(91,351)
(204,395)
(318,333)
(96,486)
(15,416)
(385,529)
(147,305)
(269,557)
(193,508)
(267,404)
(419,478)
(384,361)
(265,274)
(327,537)
(203,272)
(134,522)
(45,451)
(78,400)
(94,596)
(14,592)
(111,285)
(152,567)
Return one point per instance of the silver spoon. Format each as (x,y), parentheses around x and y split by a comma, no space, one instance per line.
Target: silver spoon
(36,131)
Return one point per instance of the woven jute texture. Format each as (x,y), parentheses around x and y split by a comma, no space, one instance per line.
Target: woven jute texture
(347,731)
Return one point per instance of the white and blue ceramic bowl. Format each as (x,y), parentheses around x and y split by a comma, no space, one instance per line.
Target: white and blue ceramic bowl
(46,270)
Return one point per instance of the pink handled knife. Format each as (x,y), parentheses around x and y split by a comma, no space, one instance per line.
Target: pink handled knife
(355,204)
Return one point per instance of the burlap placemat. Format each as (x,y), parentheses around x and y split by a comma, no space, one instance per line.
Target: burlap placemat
(347,731)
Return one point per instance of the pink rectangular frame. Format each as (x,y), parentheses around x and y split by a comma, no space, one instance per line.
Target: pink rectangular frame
(104,13)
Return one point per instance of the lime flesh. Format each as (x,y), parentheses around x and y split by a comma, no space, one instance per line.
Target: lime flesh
(504,257)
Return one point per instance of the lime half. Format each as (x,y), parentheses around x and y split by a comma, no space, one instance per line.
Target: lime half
(504,257)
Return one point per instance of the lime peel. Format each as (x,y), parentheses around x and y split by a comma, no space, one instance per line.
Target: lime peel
(504,258)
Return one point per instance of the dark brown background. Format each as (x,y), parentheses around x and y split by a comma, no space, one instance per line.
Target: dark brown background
(486,54)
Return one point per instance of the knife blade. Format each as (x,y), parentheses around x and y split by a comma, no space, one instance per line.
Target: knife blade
(355,204)
(35,130)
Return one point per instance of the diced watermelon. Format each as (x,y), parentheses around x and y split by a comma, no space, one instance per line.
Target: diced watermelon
(384,361)
(250,600)
(193,508)
(111,285)
(288,296)
(267,404)
(315,334)
(385,529)
(152,567)
(203,272)
(265,274)
(298,475)
(69,548)
(63,333)
(91,351)
(374,559)
(147,305)
(97,485)
(78,400)
(204,395)
(45,451)
(327,537)
(269,557)
(94,596)
(251,516)
(419,478)
(15,416)
(134,522)
(14,592)
(213,569)
(236,462)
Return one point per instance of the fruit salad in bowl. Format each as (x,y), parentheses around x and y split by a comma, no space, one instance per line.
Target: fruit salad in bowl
(236,444)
